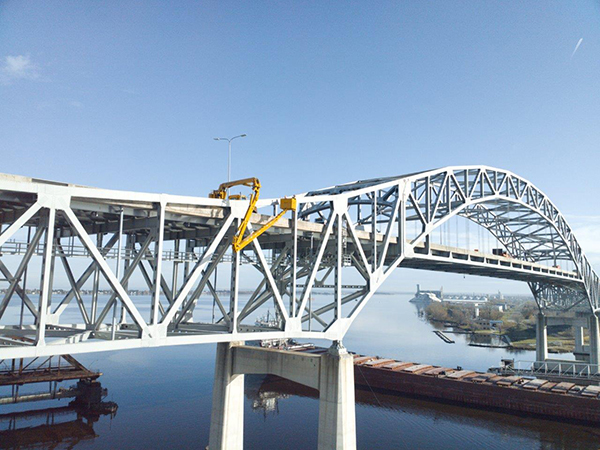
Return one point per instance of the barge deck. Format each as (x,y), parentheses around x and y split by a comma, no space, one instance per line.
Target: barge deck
(565,401)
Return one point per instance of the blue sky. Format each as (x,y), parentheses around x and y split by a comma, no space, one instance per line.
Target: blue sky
(128,95)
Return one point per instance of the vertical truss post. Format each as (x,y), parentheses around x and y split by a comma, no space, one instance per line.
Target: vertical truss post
(374,232)
(233,302)
(119,245)
(129,250)
(402,226)
(175,267)
(427,216)
(338,267)
(186,265)
(294,262)
(45,279)
(96,282)
(158,250)
(52,264)
(117,273)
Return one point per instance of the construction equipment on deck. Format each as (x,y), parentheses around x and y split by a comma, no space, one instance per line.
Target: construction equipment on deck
(239,242)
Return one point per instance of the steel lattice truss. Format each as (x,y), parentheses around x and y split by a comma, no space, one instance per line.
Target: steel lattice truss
(316,269)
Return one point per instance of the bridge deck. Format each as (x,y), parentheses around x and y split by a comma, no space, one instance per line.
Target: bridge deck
(311,247)
(199,218)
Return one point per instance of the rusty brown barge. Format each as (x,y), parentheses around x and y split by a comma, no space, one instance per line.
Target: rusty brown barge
(515,394)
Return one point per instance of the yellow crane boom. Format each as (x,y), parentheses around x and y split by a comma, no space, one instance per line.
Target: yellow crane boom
(239,242)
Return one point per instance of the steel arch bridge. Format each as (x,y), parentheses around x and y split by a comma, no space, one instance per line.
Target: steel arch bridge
(317,267)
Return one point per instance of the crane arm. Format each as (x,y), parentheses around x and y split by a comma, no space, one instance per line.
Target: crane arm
(237,239)
(239,242)
(221,192)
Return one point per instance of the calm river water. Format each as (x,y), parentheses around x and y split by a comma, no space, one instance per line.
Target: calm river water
(164,398)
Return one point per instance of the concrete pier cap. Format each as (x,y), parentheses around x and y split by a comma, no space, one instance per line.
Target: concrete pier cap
(332,373)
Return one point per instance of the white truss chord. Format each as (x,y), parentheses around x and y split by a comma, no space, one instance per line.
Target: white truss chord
(68,286)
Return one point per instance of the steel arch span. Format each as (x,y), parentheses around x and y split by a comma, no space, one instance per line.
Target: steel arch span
(316,268)
(519,215)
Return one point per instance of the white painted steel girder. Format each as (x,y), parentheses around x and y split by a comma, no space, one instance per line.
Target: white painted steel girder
(359,228)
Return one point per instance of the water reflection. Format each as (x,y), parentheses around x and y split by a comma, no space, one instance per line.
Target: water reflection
(50,427)
(392,327)
(165,398)
(453,423)
(263,399)
(488,340)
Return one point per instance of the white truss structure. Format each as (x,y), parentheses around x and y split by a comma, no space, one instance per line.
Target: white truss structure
(316,268)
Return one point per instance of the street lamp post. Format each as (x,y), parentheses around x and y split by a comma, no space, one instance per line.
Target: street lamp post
(229,154)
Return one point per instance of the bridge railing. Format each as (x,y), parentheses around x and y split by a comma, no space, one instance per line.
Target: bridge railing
(564,369)
(19,248)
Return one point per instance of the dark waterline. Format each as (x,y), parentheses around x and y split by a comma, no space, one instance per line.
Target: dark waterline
(164,397)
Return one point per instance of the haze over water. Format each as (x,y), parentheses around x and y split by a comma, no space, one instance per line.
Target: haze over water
(164,397)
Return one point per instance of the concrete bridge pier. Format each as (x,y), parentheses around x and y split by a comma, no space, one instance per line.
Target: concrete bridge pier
(594,340)
(331,373)
(541,338)
(579,343)
(227,415)
(337,421)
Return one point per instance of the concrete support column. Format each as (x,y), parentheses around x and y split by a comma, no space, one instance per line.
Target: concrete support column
(541,339)
(579,350)
(337,421)
(578,332)
(227,416)
(594,340)
(332,373)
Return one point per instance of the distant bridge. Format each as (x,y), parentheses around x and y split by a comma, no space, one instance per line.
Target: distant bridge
(347,238)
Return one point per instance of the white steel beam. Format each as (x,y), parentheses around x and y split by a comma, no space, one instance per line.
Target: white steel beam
(46,278)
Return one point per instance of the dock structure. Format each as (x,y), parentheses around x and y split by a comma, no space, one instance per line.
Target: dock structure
(443,337)
(46,375)
(40,370)
(346,239)
(58,425)
(49,372)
